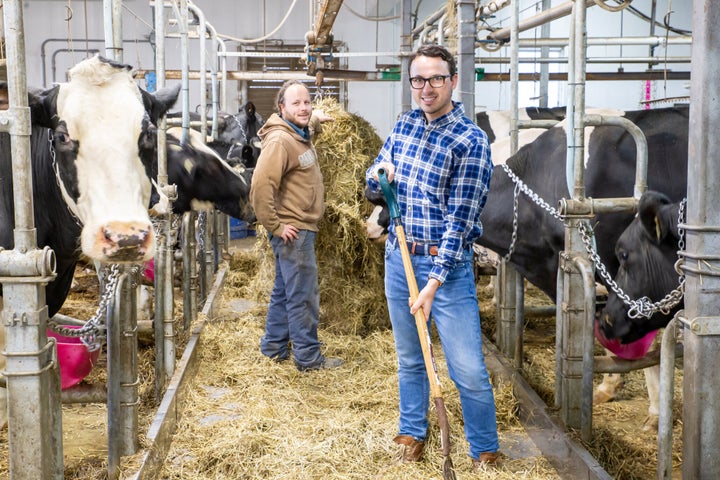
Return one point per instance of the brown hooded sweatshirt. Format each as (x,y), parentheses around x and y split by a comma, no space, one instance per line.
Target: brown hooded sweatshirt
(287,185)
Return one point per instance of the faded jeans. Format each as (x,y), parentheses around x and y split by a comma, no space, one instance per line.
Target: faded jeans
(456,314)
(294,308)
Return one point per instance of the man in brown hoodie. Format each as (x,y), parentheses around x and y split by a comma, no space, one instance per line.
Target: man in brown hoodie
(287,195)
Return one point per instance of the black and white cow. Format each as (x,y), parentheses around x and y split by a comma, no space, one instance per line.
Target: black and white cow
(97,131)
(609,172)
(233,143)
(496,123)
(647,252)
(203,178)
(245,126)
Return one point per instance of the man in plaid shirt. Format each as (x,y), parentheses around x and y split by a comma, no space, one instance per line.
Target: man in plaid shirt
(440,162)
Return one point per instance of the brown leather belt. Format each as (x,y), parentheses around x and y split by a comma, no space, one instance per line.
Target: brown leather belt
(416,248)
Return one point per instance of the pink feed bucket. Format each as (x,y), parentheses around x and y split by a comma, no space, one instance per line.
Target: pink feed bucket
(628,351)
(75,360)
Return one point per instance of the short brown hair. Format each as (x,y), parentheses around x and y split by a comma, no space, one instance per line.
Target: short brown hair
(280,97)
(437,51)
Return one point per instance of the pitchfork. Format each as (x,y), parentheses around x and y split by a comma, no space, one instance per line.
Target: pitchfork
(421,324)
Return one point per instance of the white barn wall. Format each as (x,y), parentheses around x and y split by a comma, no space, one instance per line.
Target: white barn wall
(378,102)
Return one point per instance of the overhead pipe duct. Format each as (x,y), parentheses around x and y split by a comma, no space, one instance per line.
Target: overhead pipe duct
(545,16)
(607,41)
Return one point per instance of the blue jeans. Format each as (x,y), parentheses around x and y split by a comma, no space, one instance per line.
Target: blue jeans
(294,308)
(457,319)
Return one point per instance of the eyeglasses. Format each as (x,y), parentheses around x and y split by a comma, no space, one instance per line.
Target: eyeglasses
(435,81)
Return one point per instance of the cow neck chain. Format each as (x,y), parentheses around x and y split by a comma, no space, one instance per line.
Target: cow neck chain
(94,333)
(521,186)
(242,129)
(69,202)
(643,307)
(202,226)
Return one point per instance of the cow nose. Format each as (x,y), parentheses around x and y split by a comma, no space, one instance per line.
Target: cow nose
(126,241)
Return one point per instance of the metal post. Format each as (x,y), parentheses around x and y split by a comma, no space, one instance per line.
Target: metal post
(190,276)
(466,54)
(571,323)
(701,404)
(112,14)
(505,292)
(544,67)
(122,380)
(508,279)
(163,263)
(31,363)
(667,391)
(202,34)
(405,49)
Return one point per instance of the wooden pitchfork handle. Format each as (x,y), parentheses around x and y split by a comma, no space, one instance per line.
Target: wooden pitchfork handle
(421,325)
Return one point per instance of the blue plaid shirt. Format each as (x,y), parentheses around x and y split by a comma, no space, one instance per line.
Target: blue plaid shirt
(442,172)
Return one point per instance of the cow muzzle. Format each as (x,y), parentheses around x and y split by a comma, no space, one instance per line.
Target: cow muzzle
(126,241)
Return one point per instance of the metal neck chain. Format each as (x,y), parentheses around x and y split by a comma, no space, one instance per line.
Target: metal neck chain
(521,186)
(94,333)
(69,203)
(642,307)
(202,224)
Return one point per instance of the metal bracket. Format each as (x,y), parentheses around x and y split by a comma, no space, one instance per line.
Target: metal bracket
(702,325)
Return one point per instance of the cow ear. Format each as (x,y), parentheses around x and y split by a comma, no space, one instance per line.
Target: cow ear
(43,107)
(158,103)
(651,214)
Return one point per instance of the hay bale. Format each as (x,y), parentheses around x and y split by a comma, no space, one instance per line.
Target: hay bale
(351,268)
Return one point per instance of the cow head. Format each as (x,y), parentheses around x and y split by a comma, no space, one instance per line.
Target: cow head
(245,154)
(647,252)
(101,121)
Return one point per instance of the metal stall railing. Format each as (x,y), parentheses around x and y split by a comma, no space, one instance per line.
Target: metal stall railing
(31,362)
(198,268)
(574,310)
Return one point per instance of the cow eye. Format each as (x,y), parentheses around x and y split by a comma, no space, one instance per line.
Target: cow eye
(63,142)
(623,256)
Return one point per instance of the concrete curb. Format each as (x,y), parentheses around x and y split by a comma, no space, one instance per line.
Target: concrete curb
(571,460)
(164,425)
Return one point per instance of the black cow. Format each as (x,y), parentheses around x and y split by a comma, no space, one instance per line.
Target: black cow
(647,251)
(249,120)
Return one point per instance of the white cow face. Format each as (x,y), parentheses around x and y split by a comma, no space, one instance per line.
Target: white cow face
(99,142)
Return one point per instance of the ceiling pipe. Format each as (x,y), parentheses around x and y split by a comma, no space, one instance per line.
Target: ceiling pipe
(545,16)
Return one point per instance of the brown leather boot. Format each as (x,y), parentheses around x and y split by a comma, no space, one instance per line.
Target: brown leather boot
(486,459)
(410,449)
